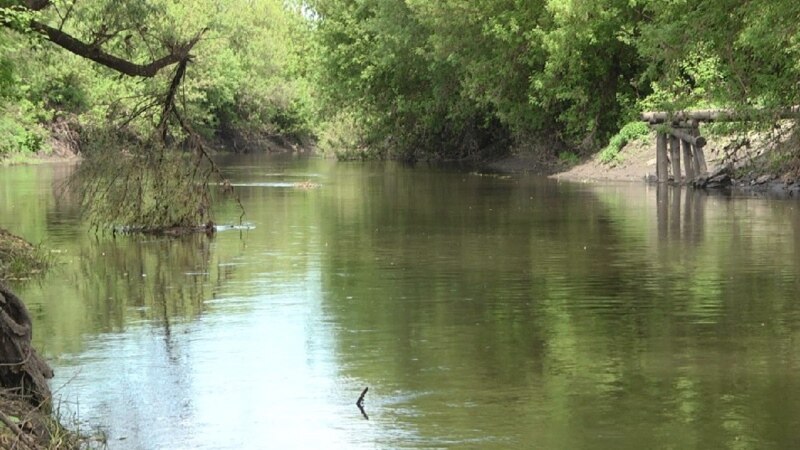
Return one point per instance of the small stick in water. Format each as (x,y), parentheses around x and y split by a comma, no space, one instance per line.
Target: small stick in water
(360,401)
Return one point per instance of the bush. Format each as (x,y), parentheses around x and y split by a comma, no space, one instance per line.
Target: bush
(19,136)
(343,137)
(568,158)
(18,258)
(629,132)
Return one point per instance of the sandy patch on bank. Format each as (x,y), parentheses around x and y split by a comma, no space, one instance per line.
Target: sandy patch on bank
(637,160)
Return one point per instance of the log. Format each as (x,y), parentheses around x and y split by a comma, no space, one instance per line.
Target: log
(696,140)
(718,115)
(21,368)
(661,157)
(675,157)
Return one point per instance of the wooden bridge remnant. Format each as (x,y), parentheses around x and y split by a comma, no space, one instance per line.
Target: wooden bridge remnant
(678,134)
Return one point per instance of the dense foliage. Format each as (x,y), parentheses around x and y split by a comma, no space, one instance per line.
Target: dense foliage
(245,72)
(147,86)
(420,75)
(414,79)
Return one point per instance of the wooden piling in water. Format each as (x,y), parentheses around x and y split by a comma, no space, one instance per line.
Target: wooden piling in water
(685,137)
(699,155)
(688,160)
(675,157)
(661,157)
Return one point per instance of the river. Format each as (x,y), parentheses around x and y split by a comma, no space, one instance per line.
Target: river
(482,311)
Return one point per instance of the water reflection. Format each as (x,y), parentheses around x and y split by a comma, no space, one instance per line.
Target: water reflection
(681,225)
(482,312)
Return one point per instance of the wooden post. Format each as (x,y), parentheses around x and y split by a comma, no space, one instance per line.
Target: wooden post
(675,156)
(661,157)
(688,164)
(699,155)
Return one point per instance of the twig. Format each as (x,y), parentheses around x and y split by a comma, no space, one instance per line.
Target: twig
(360,401)
(23,439)
(203,154)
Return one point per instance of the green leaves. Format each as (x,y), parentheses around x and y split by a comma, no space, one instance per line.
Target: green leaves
(631,131)
(722,53)
(573,69)
(435,71)
(418,79)
(15,17)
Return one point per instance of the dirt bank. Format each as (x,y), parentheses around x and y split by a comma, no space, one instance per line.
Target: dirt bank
(636,161)
(26,419)
(755,162)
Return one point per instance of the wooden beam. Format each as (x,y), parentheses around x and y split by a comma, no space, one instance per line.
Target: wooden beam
(718,115)
(697,141)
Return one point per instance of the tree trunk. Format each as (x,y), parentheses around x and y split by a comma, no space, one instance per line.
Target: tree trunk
(21,368)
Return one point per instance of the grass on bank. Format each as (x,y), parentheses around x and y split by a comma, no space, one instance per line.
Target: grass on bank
(628,133)
(23,425)
(14,159)
(26,427)
(19,259)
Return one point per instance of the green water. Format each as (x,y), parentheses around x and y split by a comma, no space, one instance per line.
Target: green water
(483,312)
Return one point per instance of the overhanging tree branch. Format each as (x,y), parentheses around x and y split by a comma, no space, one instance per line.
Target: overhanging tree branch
(96,54)
(37,5)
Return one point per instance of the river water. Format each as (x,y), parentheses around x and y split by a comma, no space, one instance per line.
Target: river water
(482,312)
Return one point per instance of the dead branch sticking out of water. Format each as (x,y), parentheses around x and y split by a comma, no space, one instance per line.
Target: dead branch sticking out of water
(360,402)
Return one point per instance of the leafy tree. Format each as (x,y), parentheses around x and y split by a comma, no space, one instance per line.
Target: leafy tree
(740,54)
(488,68)
(377,59)
(150,98)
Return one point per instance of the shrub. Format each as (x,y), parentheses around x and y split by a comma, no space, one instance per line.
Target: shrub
(568,158)
(19,136)
(629,132)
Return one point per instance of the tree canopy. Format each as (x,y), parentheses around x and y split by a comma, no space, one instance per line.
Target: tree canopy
(571,70)
(149,80)
(413,79)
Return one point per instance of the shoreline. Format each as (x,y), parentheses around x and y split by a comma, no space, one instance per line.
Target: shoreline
(753,165)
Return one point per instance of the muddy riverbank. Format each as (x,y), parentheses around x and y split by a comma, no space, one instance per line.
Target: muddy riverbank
(756,163)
